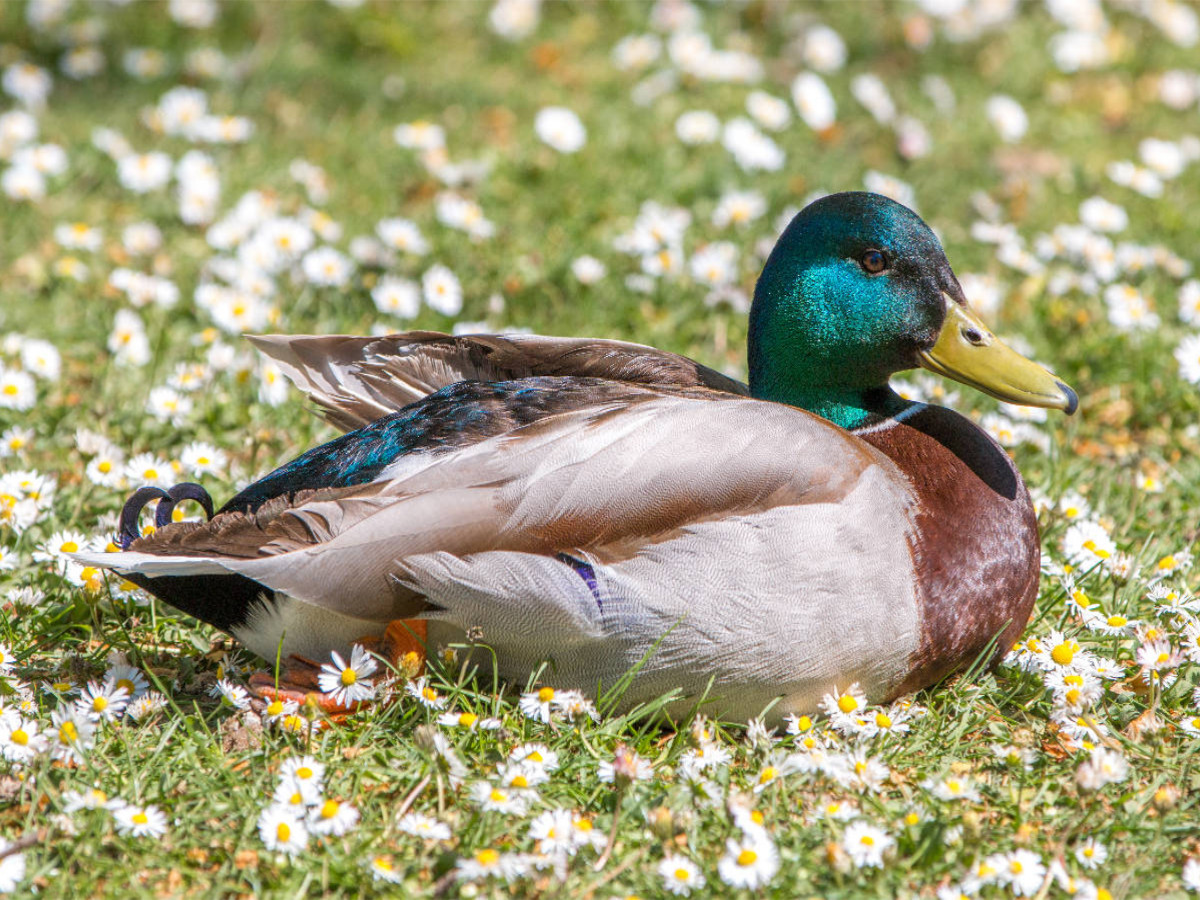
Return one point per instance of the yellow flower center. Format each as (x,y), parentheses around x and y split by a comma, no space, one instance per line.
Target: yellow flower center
(682,874)
(126,683)
(349,676)
(757,818)
(803,724)
(1167,562)
(10,390)
(883,720)
(1073,696)
(329,809)
(747,857)
(867,841)
(545,695)
(20,737)
(535,756)
(768,774)
(304,772)
(105,466)
(283,832)
(520,781)
(847,704)
(1118,621)
(954,786)
(497,796)
(487,857)
(583,824)
(912,819)
(100,704)
(1162,658)
(380,863)
(275,708)
(140,818)
(1064,653)
(69,547)
(467,719)
(67,732)
(429,694)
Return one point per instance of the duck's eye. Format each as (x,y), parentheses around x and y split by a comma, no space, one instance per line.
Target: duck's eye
(873,261)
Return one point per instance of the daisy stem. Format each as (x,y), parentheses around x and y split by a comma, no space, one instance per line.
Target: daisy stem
(411,798)
(24,843)
(612,834)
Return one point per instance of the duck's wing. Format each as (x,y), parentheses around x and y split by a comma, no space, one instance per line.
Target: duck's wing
(622,472)
(355,380)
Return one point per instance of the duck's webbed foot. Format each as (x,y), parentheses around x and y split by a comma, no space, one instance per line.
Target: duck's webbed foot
(402,646)
(127,525)
(297,682)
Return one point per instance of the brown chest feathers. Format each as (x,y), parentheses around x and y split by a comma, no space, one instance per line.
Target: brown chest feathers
(976,551)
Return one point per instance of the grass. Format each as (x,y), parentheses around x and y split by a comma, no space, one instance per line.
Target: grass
(328,85)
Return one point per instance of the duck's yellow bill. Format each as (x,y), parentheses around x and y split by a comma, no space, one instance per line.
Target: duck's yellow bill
(967,351)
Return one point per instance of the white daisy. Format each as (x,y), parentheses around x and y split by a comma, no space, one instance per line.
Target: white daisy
(103,700)
(750,861)
(140,821)
(282,830)
(560,128)
(422,826)
(865,844)
(20,740)
(442,290)
(333,818)
(348,682)
(680,875)
(397,297)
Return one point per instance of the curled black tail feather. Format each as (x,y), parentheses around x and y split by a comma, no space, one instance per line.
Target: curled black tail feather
(127,525)
(187,490)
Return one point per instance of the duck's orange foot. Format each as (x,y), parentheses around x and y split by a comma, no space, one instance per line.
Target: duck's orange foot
(402,646)
(297,682)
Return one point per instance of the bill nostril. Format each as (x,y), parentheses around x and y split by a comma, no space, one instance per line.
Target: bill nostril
(973,336)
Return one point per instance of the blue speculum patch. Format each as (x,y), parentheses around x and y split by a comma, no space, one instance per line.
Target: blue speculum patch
(586,572)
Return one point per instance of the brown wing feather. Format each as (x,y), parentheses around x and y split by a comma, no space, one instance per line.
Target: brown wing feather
(355,380)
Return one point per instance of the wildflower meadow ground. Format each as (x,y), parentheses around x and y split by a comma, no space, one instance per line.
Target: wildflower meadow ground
(175,175)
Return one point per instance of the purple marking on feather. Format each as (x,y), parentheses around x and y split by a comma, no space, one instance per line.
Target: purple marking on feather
(586,572)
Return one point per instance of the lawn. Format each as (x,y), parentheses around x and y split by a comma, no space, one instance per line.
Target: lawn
(174,175)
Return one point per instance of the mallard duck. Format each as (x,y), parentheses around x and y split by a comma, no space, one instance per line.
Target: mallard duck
(598,505)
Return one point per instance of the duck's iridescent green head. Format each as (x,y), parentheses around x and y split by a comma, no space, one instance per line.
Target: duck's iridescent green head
(858,288)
